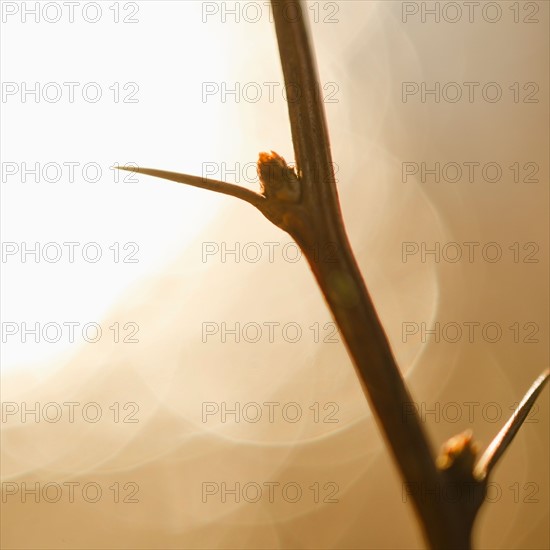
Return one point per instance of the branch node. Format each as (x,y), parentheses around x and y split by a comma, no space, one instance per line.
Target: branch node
(458,455)
(277,179)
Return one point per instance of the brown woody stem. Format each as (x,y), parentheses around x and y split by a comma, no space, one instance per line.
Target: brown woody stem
(306,206)
(319,226)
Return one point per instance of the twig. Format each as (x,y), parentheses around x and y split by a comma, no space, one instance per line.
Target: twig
(305,204)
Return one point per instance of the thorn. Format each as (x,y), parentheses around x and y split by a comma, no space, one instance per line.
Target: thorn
(242,193)
(503,439)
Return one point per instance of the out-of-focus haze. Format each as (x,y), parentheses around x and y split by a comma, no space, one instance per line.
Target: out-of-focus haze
(175,452)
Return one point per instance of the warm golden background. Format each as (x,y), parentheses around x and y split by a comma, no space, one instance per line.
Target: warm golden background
(170,452)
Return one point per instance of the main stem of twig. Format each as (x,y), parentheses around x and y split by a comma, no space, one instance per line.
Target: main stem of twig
(317,225)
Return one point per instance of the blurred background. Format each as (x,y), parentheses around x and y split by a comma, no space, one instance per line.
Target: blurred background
(205,399)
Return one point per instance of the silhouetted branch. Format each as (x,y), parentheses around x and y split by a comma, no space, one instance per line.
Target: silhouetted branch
(305,204)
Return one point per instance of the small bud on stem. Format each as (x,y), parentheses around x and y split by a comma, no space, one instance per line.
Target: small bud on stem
(277,179)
